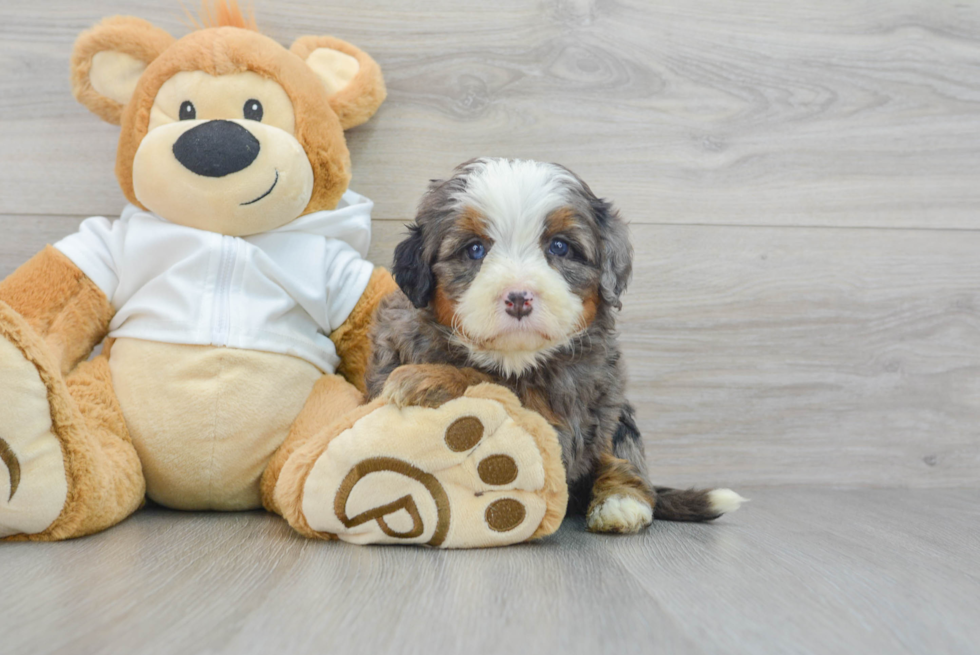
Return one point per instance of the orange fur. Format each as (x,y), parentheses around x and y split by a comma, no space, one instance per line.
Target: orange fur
(443,307)
(132,36)
(332,397)
(473,221)
(223,13)
(61,304)
(560,220)
(105,479)
(430,385)
(352,339)
(55,314)
(618,477)
(232,46)
(356,102)
(225,50)
(287,497)
(590,305)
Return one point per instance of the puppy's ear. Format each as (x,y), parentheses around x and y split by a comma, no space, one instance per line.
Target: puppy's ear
(617,252)
(412,271)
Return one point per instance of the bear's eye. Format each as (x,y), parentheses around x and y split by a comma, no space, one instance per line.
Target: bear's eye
(187,111)
(253,110)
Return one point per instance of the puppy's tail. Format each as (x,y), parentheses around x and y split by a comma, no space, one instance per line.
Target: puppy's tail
(694,504)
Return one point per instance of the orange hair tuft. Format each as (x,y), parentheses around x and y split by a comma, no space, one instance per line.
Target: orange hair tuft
(223,13)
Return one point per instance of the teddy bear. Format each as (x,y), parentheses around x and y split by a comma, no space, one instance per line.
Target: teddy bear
(234,304)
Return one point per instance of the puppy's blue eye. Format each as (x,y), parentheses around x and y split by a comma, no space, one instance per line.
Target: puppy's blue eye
(558,248)
(476,251)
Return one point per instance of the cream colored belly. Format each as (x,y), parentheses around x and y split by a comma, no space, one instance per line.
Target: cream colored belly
(205,420)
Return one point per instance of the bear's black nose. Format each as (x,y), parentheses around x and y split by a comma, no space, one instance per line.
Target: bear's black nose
(216,148)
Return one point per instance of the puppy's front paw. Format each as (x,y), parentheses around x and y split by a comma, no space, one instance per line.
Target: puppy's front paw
(429,385)
(620,513)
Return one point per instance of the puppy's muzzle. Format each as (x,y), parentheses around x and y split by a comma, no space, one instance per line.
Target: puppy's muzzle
(216,148)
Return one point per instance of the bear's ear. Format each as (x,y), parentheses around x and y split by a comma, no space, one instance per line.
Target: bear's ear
(109,59)
(352,79)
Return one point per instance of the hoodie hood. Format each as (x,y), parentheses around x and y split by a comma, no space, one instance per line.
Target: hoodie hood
(350,222)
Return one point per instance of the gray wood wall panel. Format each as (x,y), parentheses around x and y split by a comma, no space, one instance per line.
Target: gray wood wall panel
(839,113)
(801,179)
(780,355)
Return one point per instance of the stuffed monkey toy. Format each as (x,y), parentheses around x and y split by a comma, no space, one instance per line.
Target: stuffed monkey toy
(234,303)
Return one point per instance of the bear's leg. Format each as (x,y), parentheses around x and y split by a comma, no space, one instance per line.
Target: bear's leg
(113,487)
(68,466)
(332,398)
(477,471)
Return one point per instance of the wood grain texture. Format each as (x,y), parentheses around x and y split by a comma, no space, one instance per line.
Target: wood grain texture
(801,179)
(780,355)
(803,571)
(806,355)
(843,113)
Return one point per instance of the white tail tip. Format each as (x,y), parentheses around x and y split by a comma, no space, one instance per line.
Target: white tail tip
(724,501)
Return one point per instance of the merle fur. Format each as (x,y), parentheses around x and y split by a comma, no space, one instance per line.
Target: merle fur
(583,383)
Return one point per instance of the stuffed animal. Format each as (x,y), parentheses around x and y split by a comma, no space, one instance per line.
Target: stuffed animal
(235,303)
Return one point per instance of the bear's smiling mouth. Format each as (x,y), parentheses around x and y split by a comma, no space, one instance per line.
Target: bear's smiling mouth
(252,202)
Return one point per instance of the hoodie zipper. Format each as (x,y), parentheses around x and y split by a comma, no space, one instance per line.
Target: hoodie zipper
(221,312)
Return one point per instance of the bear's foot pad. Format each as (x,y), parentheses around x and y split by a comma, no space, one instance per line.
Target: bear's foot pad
(478,471)
(33,485)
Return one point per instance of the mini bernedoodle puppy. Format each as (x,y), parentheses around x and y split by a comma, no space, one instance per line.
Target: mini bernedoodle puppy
(512,273)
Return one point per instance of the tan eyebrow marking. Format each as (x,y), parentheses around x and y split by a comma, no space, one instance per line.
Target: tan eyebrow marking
(563,219)
(473,220)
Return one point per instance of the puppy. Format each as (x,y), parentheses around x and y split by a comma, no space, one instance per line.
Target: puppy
(513,273)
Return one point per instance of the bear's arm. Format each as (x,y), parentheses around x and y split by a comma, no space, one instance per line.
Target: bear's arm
(353,338)
(61,303)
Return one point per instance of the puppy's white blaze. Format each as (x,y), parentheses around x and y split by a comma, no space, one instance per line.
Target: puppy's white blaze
(516,198)
(620,513)
(724,501)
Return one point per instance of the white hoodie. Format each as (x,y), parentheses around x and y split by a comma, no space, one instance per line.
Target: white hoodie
(280,291)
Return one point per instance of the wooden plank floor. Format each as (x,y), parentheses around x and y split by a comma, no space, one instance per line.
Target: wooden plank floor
(796,571)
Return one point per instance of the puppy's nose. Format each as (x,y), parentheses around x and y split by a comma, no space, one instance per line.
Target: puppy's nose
(216,148)
(518,304)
